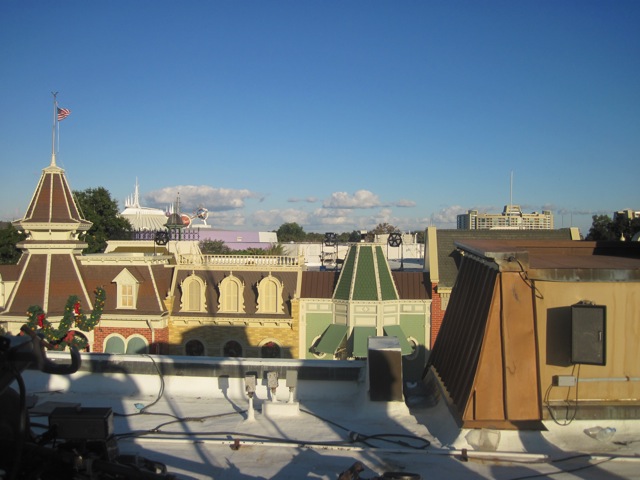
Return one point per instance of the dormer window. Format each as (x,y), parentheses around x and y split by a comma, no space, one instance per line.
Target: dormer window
(193,294)
(231,295)
(270,295)
(127,286)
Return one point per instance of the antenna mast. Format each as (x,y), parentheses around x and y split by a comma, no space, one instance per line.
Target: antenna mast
(53,129)
(511,191)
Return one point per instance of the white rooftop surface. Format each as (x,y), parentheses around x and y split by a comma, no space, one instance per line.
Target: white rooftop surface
(201,428)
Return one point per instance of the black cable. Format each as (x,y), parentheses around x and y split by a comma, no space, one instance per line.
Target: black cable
(354,437)
(571,470)
(575,411)
(161,392)
(380,436)
(143,410)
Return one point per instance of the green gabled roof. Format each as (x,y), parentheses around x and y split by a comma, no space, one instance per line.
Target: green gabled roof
(365,275)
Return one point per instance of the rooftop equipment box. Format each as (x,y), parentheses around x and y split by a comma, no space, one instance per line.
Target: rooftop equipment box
(82,423)
(588,334)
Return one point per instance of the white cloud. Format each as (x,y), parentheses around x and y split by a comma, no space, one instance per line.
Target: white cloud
(298,200)
(360,199)
(194,196)
(447,216)
(404,203)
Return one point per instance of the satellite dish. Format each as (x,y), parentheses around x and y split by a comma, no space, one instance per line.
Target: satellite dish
(162,237)
(395,239)
(330,239)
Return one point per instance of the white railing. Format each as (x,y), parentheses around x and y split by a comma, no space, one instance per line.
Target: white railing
(239,260)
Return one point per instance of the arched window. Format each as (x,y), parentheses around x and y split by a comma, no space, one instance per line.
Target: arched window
(194,348)
(136,345)
(232,349)
(193,294)
(270,295)
(270,349)
(114,344)
(231,295)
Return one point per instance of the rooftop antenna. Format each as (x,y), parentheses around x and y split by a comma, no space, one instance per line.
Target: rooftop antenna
(511,192)
(53,129)
(58,114)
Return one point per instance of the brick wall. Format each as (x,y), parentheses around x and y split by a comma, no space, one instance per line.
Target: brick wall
(161,336)
(437,314)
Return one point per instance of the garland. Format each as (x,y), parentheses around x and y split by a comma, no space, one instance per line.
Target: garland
(63,336)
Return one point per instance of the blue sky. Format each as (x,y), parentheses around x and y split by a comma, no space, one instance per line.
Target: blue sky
(337,115)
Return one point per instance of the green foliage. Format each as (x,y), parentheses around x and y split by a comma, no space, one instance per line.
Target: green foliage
(97,206)
(605,229)
(290,232)
(9,238)
(218,247)
(314,237)
(276,249)
(62,336)
(384,228)
(602,229)
(353,237)
(214,247)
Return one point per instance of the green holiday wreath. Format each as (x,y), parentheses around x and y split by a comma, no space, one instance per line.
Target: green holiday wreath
(63,336)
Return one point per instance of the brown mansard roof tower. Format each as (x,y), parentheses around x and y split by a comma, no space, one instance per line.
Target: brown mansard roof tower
(49,270)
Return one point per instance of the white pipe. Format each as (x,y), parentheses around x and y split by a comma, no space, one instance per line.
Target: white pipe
(610,379)
(487,456)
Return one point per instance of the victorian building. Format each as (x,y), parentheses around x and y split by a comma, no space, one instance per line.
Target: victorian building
(169,298)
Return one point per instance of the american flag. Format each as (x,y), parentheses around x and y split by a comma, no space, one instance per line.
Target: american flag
(63,113)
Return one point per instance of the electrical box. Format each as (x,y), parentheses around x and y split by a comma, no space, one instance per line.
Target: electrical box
(292,378)
(272,379)
(250,383)
(564,380)
(82,423)
(588,334)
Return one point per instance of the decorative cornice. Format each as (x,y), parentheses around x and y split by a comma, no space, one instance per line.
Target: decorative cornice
(233,321)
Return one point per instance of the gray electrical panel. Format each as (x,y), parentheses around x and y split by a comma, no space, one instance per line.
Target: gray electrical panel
(588,334)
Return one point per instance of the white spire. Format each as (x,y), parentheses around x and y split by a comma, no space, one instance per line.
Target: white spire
(136,195)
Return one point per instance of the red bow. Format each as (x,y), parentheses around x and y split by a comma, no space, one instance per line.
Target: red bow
(41,318)
(69,336)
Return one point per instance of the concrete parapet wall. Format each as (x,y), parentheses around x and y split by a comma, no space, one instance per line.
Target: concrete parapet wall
(177,376)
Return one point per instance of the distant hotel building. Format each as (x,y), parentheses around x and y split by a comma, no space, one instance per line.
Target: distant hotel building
(627,214)
(511,218)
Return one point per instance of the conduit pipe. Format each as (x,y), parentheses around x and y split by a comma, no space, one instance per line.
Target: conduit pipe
(497,456)
(610,379)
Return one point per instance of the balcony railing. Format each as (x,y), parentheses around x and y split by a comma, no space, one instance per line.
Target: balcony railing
(270,261)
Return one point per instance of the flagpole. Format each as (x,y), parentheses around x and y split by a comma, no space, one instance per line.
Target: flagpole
(53,129)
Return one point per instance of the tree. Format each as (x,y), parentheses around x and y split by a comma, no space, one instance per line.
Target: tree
(214,247)
(290,232)
(314,237)
(384,228)
(9,238)
(97,206)
(419,236)
(601,229)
